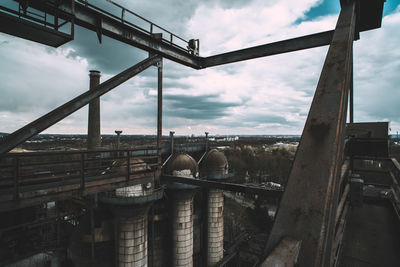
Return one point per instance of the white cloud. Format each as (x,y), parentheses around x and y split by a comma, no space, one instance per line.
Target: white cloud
(221,29)
(269,95)
(376,70)
(35,79)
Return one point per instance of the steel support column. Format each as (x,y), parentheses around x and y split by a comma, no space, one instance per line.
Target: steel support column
(159,119)
(351,104)
(307,207)
(78,102)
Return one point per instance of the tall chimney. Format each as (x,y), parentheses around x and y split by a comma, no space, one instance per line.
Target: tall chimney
(118,132)
(94,137)
(171,136)
(206,141)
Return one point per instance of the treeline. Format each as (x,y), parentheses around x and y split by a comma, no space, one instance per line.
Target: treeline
(259,164)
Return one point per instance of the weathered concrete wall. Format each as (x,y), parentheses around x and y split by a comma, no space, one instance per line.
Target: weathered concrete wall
(215,227)
(132,249)
(182,231)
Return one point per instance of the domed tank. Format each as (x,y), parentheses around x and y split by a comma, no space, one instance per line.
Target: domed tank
(214,165)
(181,206)
(182,165)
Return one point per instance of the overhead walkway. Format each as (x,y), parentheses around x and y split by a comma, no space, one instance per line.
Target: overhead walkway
(372,236)
(372,231)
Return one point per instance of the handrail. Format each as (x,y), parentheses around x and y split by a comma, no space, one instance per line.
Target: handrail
(41,153)
(24,13)
(27,178)
(152,24)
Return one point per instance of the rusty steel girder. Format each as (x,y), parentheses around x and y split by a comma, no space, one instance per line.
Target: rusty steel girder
(308,207)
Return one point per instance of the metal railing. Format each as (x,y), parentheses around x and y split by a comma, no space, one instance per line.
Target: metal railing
(50,20)
(171,39)
(44,175)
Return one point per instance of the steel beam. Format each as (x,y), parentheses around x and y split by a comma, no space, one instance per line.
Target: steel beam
(308,205)
(351,101)
(273,193)
(159,119)
(105,24)
(290,45)
(285,254)
(51,118)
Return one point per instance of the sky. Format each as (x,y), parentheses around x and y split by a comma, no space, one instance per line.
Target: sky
(270,95)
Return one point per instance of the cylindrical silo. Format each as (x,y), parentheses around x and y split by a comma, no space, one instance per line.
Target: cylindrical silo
(214,166)
(132,238)
(182,165)
(130,206)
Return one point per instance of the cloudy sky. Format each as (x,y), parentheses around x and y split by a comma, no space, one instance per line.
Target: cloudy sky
(270,95)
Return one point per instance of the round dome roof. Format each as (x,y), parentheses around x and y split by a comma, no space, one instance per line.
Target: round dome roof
(183,165)
(214,161)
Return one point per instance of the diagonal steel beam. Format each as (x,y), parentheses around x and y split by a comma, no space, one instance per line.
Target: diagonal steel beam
(310,199)
(78,102)
(290,45)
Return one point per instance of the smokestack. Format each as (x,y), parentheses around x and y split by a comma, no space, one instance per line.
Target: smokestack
(206,141)
(118,132)
(171,136)
(94,137)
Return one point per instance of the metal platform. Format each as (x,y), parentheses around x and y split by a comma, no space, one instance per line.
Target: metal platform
(32,31)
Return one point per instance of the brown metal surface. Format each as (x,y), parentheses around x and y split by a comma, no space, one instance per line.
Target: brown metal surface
(308,205)
(341,203)
(214,161)
(51,118)
(181,161)
(285,254)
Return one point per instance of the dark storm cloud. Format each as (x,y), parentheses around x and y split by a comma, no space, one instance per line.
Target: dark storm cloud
(204,107)
(112,56)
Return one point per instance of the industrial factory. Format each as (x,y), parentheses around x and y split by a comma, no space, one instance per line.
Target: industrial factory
(165,204)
